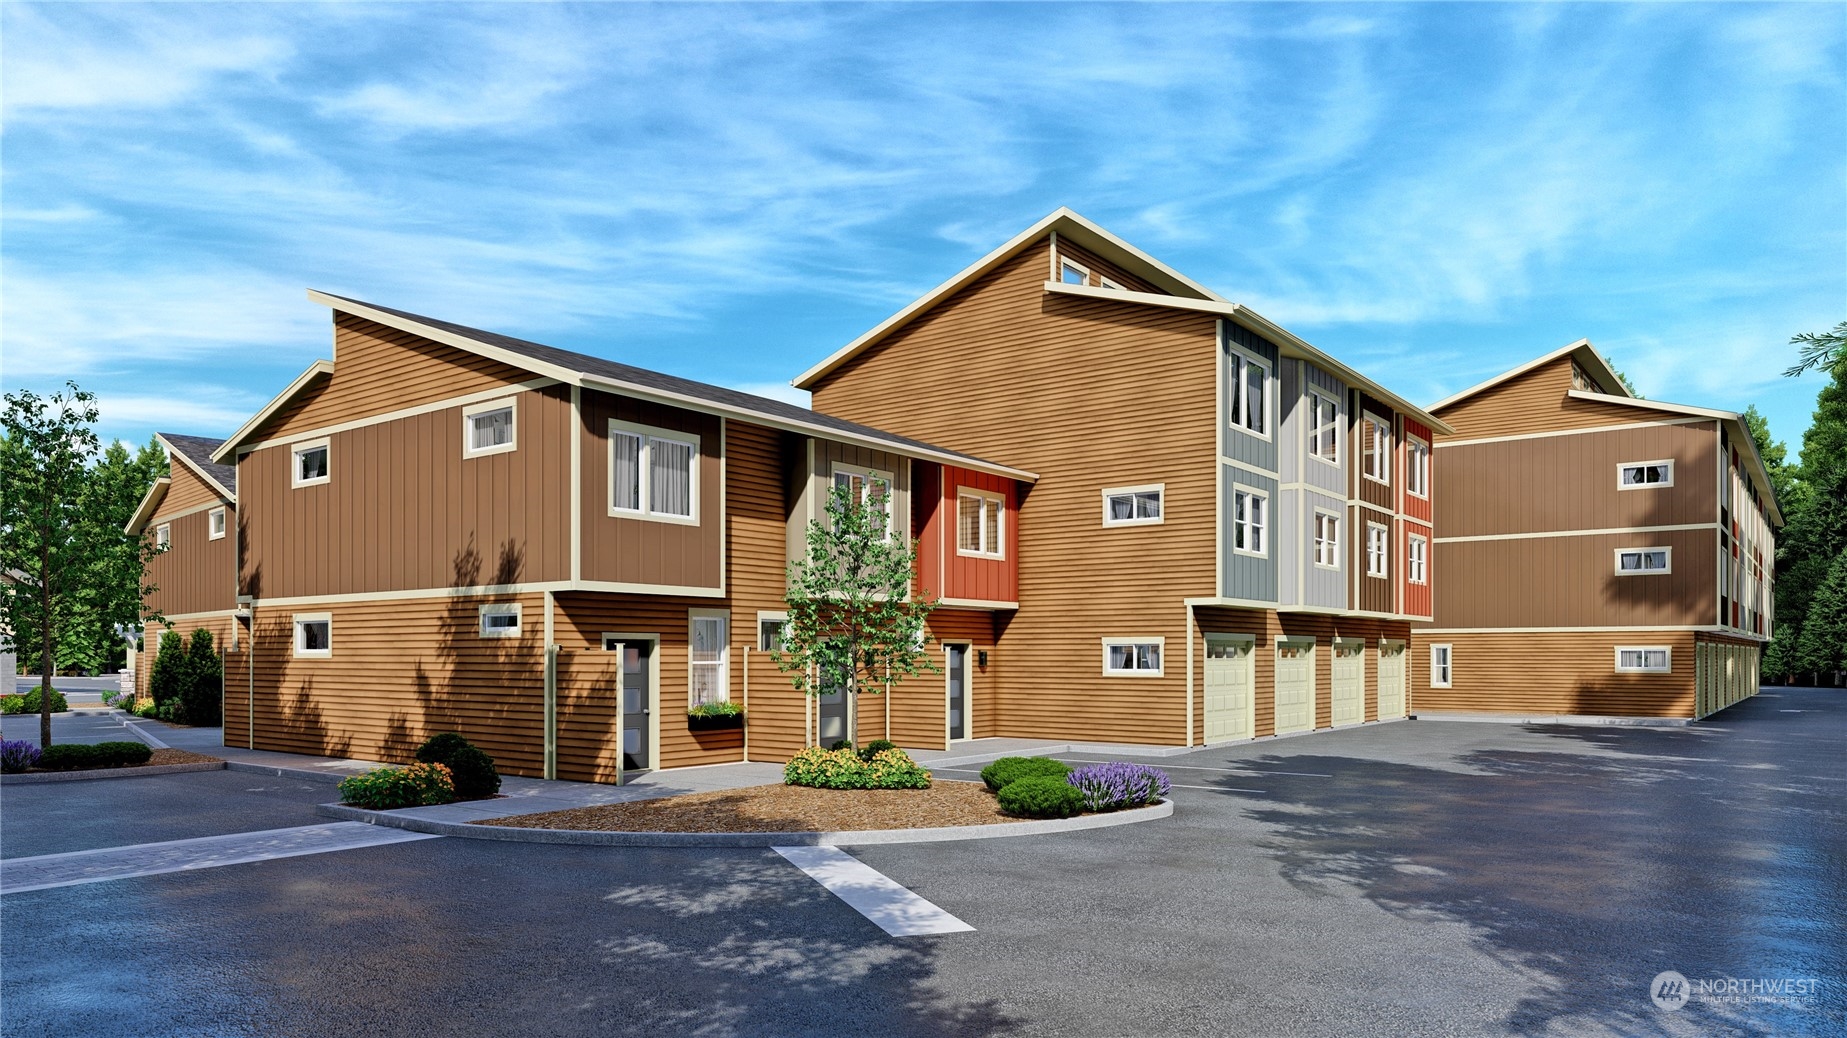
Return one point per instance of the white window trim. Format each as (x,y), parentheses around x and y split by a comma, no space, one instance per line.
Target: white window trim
(645,461)
(498,609)
(1066,261)
(215,525)
(1263,529)
(1158,643)
(298,620)
(1449,665)
(1667,652)
(723,666)
(295,453)
(163,536)
(1421,573)
(1107,283)
(868,474)
(1617,562)
(1620,485)
(1412,445)
(999,502)
(1384,453)
(1316,397)
(1385,553)
(1313,540)
(770,616)
(1145,488)
(469,450)
(1269,396)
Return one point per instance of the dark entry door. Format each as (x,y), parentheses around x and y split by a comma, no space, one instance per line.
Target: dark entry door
(958,690)
(830,725)
(636,703)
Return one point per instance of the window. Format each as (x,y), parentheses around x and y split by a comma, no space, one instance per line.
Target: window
(500,620)
(1583,382)
(978,523)
(1133,506)
(653,473)
(1376,449)
(1633,561)
(1439,666)
(1250,521)
(1249,398)
(314,634)
(214,524)
(1132,657)
(1644,659)
(163,536)
(1327,540)
(769,634)
(1324,428)
(1073,273)
(1415,559)
(488,428)
(867,487)
(1107,283)
(705,660)
(310,463)
(1643,475)
(1417,467)
(1378,550)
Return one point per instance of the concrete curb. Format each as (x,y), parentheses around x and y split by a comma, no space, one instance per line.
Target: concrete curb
(275,772)
(865,837)
(1587,720)
(135,729)
(33,778)
(1094,748)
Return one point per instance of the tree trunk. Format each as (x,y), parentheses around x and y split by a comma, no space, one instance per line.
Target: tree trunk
(45,665)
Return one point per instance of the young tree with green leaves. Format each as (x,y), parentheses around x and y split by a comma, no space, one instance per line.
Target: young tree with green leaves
(118,482)
(854,625)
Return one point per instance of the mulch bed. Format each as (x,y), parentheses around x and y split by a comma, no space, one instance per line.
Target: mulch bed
(159,757)
(781,809)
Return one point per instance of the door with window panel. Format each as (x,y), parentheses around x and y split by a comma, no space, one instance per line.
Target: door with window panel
(1347,697)
(1295,685)
(637,700)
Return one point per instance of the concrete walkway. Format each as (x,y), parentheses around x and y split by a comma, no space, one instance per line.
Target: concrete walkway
(980,751)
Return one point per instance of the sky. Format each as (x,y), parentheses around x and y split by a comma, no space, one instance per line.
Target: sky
(1432,193)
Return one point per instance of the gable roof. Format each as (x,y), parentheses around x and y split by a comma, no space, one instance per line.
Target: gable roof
(149,502)
(1089,236)
(196,453)
(582,369)
(1581,351)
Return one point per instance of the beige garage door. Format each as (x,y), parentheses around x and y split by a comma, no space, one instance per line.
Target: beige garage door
(1295,685)
(1347,698)
(1391,679)
(1229,687)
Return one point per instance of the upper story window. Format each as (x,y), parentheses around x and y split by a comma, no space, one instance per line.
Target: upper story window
(1133,506)
(1581,380)
(1416,559)
(1323,428)
(1416,467)
(1633,561)
(1378,550)
(1107,283)
(311,463)
(978,522)
(769,630)
(163,536)
(1327,540)
(653,473)
(1250,394)
(1072,273)
(214,524)
(1644,659)
(867,487)
(1376,448)
(499,620)
(488,428)
(1250,522)
(1641,475)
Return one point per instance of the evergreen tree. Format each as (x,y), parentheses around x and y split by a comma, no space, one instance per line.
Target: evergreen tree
(1822,650)
(1815,532)
(201,699)
(171,670)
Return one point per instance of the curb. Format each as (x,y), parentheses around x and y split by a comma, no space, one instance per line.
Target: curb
(33,778)
(1582,720)
(275,772)
(857,838)
(135,729)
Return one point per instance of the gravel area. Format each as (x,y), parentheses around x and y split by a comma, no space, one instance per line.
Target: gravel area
(782,809)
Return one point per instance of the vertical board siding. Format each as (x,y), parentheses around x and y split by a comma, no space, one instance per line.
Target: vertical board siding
(643,551)
(1572,582)
(185,491)
(1293,544)
(1317,471)
(1251,577)
(1500,672)
(1239,443)
(971,577)
(195,574)
(1326,587)
(1376,594)
(1417,597)
(1292,421)
(1372,491)
(1413,505)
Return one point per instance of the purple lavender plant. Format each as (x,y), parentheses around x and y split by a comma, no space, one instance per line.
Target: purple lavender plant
(1119,784)
(17,755)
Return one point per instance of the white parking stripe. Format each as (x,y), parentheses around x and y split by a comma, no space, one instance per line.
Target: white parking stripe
(871,893)
(44,871)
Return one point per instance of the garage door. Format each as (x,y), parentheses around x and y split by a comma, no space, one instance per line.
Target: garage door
(1702,679)
(1347,698)
(1295,685)
(1229,687)
(1391,679)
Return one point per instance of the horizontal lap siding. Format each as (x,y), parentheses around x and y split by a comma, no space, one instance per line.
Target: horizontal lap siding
(185,491)
(642,551)
(1572,582)
(1266,627)
(1537,402)
(1553,673)
(757,507)
(196,574)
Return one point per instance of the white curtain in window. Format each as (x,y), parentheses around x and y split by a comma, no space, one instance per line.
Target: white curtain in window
(990,526)
(1254,399)
(625,481)
(968,522)
(670,485)
(706,659)
(493,428)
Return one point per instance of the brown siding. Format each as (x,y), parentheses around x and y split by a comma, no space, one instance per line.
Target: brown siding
(1572,582)
(1372,491)
(1089,394)
(919,706)
(1098,268)
(757,508)
(1537,402)
(196,574)
(643,551)
(1569,482)
(185,490)
(219,624)
(405,510)
(1266,628)
(1552,673)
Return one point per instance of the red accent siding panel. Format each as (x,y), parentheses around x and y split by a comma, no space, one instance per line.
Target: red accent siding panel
(974,577)
(1414,506)
(1416,600)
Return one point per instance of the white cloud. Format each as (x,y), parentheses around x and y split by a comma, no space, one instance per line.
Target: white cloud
(212,411)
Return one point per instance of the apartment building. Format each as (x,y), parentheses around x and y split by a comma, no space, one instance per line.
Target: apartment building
(191,516)
(1603,555)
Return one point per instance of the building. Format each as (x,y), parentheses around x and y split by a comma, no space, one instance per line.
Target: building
(1602,555)
(191,515)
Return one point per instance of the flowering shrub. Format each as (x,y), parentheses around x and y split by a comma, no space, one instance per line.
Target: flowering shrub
(1040,797)
(382,789)
(1007,770)
(844,769)
(1118,784)
(17,755)
(719,708)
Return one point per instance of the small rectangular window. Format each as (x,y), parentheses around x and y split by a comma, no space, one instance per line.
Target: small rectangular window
(1249,397)
(163,536)
(1644,659)
(1638,561)
(769,635)
(978,523)
(313,634)
(1417,467)
(488,428)
(1324,429)
(867,488)
(1645,475)
(214,524)
(705,663)
(1073,273)
(311,463)
(1415,559)
(1133,506)
(1327,540)
(1439,666)
(1136,658)
(500,620)
(1107,283)
(1378,550)
(1250,521)
(653,475)
(1376,449)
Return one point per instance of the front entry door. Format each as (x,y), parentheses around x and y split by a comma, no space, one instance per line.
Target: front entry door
(958,690)
(1228,688)
(831,715)
(637,702)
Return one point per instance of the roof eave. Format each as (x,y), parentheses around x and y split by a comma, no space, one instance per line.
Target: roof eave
(198,470)
(1760,473)
(1589,351)
(149,502)
(228,449)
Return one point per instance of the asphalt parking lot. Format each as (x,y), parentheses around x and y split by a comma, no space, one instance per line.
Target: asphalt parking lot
(1404,879)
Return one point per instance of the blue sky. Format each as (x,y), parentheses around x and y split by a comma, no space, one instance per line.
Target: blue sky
(1433,193)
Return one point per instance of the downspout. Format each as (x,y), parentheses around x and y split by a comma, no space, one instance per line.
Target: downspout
(250,698)
(1189,673)
(747,704)
(551,695)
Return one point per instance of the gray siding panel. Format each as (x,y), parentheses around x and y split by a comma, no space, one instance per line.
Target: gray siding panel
(1329,477)
(1248,576)
(1325,587)
(1292,445)
(1237,442)
(1287,550)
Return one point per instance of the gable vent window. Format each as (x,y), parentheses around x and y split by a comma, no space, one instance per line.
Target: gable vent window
(1645,474)
(1073,273)
(489,428)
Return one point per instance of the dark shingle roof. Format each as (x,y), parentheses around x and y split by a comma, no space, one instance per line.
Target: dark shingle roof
(647,379)
(198,450)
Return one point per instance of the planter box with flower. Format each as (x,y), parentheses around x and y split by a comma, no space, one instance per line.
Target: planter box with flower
(713,717)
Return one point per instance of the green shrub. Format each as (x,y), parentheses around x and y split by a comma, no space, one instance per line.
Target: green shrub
(74,756)
(471,770)
(383,789)
(67,757)
(170,673)
(1041,797)
(12,704)
(1008,770)
(845,769)
(202,694)
(29,703)
(841,744)
(122,754)
(720,708)
(876,747)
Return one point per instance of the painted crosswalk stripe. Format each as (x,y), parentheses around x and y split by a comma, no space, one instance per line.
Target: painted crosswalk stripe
(44,871)
(871,893)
